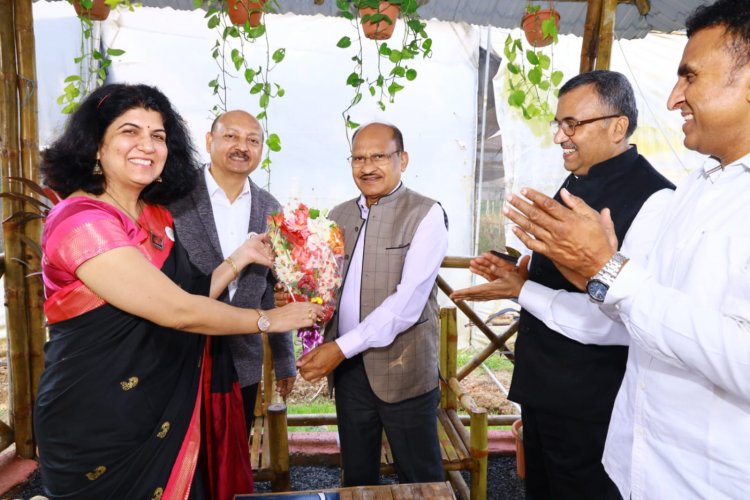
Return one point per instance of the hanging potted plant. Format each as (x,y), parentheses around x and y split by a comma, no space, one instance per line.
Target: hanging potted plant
(229,53)
(245,11)
(392,70)
(95,10)
(540,25)
(378,18)
(532,79)
(92,61)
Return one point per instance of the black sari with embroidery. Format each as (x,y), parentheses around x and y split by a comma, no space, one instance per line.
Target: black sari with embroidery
(120,398)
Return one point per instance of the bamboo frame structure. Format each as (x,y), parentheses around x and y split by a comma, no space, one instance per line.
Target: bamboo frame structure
(20,386)
(32,228)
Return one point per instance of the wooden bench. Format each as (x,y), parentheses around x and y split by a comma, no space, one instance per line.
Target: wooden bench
(460,449)
(269,440)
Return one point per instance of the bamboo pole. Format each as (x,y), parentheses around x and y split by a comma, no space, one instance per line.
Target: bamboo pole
(18,334)
(443,358)
(479,451)
(317,419)
(32,229)
(279,436)
(590,44)
(451,354)
(606,34)
(456,262)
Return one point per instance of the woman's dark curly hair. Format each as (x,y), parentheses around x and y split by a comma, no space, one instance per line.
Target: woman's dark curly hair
(68,164)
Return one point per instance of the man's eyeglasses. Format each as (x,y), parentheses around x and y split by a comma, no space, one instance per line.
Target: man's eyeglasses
(568,125)
(378,159)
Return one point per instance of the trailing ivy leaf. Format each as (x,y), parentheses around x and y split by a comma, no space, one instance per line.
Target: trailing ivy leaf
(427,47)
(280,92)
(411,74)
(249,75)
(532,57)
(372,91)
(274,142)
(556,78)
(544,85)
(213,22)
(544,61)
(354,79)
(516,98)
(278,55)
(535,75)
(384,50)
(513,68)
(394,87)
(314,213)
(261,115)
(115,52)
(351,124)
(345,42)
(72,78)
(357,98)
(237,59)
(381,105)
(395,56)
(256,88)
(398,71)
(263,101)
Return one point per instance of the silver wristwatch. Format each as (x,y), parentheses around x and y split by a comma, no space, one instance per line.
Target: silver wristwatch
(264,324)
(598,286)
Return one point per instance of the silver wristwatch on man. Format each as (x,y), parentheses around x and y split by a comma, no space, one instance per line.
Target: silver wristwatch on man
(598,286)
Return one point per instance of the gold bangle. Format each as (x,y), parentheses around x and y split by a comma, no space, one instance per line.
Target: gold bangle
(229,260)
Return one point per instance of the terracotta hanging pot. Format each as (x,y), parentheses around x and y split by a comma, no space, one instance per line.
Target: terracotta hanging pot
(532,26)
(381,30)
(99,10)
(241,11)
(517,430)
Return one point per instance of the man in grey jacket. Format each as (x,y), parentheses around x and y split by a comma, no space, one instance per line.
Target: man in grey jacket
(214,219)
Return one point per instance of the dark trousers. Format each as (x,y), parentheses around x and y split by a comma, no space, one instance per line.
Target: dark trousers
(410,425)
(564,458)
(249,394)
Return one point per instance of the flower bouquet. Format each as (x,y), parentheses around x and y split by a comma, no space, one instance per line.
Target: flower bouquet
(309,252)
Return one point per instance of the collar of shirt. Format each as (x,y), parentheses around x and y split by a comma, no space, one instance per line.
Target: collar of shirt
(713,169)
(214,189)
(362,201)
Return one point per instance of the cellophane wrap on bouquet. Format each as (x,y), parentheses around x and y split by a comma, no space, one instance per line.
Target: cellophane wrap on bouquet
(309,254)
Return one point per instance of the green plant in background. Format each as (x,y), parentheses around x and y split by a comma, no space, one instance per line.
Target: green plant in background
(532,79)
(393,70)
(92,62)
(233,63)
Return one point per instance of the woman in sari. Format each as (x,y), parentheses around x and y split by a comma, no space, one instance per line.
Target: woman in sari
(138,398)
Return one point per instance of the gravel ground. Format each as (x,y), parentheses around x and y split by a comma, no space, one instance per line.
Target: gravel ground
(502,482)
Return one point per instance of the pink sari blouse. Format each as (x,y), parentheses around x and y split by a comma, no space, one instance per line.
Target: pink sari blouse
(80,228)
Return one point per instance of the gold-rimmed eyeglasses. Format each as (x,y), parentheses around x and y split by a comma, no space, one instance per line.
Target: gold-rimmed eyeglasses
(379,159)
(568,125)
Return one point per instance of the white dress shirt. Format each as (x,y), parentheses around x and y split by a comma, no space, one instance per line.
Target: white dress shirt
(680,428)
(401,309)
(231,219)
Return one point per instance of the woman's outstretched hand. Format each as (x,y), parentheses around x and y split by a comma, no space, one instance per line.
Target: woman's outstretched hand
(255,250)
(294,315)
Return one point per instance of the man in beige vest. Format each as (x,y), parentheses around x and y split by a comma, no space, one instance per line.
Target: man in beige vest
(381,345)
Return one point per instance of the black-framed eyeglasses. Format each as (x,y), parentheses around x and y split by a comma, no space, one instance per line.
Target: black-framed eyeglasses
(379,159)
(568,125)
